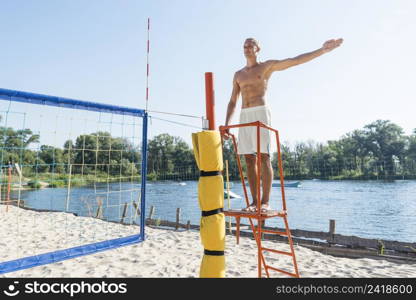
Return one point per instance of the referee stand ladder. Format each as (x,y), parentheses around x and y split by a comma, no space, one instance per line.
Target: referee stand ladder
(258,215)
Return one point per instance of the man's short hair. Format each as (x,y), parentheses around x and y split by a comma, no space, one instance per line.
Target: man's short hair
(256,42)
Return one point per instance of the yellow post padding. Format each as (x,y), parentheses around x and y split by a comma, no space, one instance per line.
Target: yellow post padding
(211,192)
(213,232)
(209,150)
(212,266)
(208,156)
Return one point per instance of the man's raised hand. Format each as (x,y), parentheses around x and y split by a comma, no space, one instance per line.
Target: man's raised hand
(331,45)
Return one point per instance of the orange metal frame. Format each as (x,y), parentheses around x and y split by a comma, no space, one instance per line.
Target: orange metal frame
(258,215)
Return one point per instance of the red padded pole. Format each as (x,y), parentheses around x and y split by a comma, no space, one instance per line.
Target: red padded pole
(210,100)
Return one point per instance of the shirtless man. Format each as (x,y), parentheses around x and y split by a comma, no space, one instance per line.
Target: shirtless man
(251,81)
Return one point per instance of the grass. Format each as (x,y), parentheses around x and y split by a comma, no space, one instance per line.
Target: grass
(56,180)
(34,184)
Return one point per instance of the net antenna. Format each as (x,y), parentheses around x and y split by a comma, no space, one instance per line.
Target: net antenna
(147,63)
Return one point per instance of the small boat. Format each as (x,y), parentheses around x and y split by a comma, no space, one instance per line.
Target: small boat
(287,184)
(182,183)
(232,195)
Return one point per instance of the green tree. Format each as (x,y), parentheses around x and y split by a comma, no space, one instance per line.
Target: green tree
(100,152)
(183,157)
(228,154)
(53,158)
(17,139)
(411,151)
(160,150)
(386,142)
(13,147)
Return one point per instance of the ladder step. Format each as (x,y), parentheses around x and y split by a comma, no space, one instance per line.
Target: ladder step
(244,227)
(282,271)
(274,232)
(277,251)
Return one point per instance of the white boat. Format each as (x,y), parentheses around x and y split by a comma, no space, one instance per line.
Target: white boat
(232,195)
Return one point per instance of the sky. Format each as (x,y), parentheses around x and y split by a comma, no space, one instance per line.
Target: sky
(96,51)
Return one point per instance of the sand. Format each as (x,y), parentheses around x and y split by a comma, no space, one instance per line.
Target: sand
(165,253)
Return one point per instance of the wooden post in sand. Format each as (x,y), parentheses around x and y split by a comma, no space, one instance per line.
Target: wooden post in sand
(136,210)
(124,213)
(331,231)
(178,215)
(99,213)
(19,172)
(68,192)
(152,211)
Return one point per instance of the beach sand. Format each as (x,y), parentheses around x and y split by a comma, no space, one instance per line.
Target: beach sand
(164,253)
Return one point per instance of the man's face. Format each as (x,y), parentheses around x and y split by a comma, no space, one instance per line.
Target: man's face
(250,48)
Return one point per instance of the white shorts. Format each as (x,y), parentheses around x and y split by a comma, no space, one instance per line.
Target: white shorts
(247,136)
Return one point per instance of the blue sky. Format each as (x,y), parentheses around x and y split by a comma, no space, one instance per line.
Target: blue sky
(96,50)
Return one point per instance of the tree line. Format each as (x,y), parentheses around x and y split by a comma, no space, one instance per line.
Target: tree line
(97,153)
(378,150)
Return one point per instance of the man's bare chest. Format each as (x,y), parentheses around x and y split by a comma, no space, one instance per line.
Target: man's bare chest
(254,77)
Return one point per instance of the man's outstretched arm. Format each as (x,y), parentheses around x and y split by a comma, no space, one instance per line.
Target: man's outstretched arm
(278,65)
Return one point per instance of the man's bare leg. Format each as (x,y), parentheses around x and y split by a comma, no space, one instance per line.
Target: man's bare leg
(251,162)
(266,178)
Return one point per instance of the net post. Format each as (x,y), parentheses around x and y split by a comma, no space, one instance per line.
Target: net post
(210,99)
(143,176)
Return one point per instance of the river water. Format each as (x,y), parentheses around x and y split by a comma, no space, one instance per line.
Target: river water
(371,209)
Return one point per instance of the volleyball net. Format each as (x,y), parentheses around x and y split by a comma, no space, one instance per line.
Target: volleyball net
(72,178)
